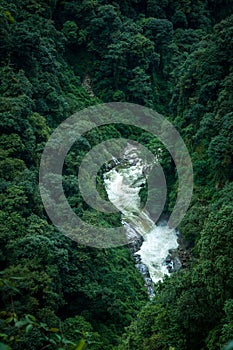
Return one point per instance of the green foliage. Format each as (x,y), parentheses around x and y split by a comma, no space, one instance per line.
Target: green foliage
(173,56)
(70,30)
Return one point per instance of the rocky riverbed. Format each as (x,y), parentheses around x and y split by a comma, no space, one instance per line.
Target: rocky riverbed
(158,250)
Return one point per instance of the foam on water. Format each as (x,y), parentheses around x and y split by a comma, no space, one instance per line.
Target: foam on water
(123,185)
(155,249)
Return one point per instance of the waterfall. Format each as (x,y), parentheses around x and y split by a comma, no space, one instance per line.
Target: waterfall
(156,249)
(123,184)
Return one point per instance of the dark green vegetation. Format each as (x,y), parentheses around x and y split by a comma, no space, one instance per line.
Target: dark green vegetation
(173,56)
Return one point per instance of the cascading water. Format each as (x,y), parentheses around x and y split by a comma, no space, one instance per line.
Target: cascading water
(155,250)
(123,184)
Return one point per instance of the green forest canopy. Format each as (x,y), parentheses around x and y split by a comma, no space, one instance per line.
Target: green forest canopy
(173,56)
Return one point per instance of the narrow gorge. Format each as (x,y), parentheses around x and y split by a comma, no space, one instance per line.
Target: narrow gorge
(154,245)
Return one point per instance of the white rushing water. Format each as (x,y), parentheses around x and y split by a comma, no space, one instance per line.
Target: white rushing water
(123,184)
(155,249)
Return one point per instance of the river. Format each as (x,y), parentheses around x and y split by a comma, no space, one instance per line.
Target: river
(123,184)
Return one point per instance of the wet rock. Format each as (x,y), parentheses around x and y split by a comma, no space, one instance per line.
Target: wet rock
(177,264)
(142,268)
(173,261)
(172,252)
(137,258)
(148,281)
(134,238)
(151,292)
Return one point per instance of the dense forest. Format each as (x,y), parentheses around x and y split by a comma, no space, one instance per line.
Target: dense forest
(58,57)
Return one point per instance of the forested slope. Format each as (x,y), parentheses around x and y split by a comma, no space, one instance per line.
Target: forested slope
(172,56)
